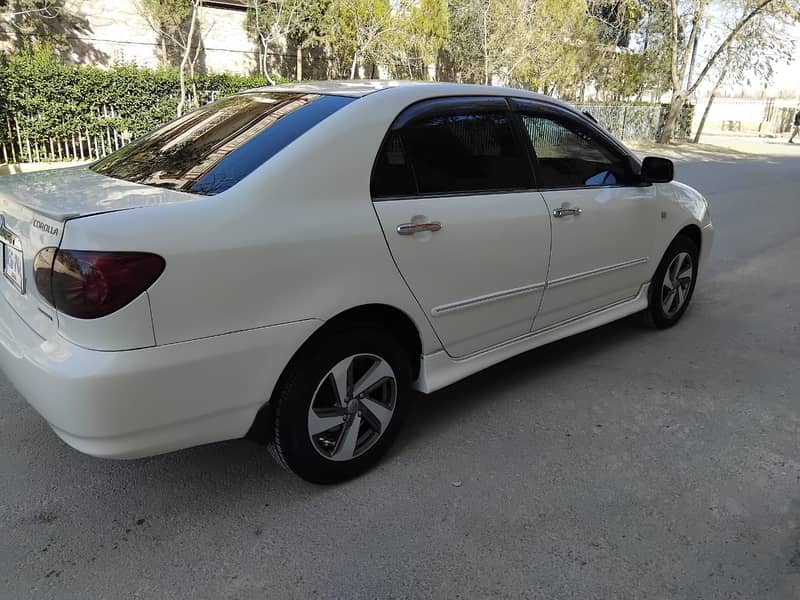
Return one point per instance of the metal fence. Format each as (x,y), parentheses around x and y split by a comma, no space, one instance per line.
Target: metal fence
(627,121)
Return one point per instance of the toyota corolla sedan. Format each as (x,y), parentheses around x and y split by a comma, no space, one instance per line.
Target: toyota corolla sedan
(289,263)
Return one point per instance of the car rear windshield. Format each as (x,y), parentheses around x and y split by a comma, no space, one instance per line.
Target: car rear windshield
(209,150)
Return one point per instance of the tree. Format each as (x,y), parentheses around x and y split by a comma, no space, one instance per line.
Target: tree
(272,22)
(490,38)
(361,31)
(726,26)
(309,31)
(561,46)
(11,11)
(464,49)
(425,35)
(542,44)
(25,24)
(753,52)
(178,24)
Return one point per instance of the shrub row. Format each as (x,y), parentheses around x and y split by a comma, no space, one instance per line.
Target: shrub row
(46,98)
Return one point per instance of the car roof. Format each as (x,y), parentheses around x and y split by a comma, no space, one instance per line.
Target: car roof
(355,87)
(358,88)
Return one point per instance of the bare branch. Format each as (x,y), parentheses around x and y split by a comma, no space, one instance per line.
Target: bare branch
(757,9)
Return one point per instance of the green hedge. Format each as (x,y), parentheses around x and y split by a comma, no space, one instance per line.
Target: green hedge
(48,98)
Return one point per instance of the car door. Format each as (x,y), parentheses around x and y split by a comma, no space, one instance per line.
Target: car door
(603,215)
(453,190)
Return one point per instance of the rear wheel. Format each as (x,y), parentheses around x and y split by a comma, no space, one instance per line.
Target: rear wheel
(673,283)
(341,405)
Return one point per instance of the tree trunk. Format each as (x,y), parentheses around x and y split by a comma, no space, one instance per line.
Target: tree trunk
(195,99)
(713,95)
(299,71)
(675,106)
(265,61)
(185,58)
(705,116)
(486,45)
(354,66)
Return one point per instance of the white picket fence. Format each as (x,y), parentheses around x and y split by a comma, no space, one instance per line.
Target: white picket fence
(627,122)
(77,146)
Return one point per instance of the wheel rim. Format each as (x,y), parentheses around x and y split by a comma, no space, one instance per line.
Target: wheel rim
(677,283)
(352,407)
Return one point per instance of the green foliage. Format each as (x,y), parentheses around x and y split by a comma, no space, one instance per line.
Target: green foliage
(59,100)
(358,32)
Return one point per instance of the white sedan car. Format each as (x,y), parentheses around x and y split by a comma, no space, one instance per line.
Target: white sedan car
(289,263)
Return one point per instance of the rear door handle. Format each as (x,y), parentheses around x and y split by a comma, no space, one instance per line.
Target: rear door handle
(566,212)
(412,228)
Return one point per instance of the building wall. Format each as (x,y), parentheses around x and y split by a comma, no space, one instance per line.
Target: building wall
(113,29)
(228,48)
(102,32)
(768,116)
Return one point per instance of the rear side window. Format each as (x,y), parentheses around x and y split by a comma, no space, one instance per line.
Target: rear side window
(568,156)
(449,152)
(213,148)
(392,175)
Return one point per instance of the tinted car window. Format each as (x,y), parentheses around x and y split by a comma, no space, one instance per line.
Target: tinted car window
(464,152)
(569,156)
(209,150)
(392,175)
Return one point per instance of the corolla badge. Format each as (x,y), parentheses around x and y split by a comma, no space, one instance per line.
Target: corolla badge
(45,227)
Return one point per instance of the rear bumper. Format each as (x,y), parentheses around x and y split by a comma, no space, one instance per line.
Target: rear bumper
(142,402)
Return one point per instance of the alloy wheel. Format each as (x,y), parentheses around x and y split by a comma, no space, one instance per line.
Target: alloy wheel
(677,283)
(352,407)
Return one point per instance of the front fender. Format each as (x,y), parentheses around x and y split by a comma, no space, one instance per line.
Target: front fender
(680,206)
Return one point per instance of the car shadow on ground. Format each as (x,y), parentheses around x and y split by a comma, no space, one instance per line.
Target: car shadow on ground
(471,394)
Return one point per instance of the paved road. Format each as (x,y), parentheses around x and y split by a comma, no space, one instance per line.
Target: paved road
(622,463)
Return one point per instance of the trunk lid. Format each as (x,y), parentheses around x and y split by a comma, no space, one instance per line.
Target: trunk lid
(35,208)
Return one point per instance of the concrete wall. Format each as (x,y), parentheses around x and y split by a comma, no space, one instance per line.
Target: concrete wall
(769,116)
(101,32)
(228,48)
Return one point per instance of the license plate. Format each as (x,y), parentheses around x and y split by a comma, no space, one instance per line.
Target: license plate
(12,267)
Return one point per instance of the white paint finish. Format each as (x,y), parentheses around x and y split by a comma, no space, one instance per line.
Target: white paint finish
(454,265)
(616,226)
(234,265)
(440,370)
(681,206)
(355,88)
(485,299)
(218,427)
(67,193)
(19,220)
(139,402)
(298,240)
(127,328)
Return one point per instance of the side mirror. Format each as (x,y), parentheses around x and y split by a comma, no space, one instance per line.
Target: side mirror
(657,170)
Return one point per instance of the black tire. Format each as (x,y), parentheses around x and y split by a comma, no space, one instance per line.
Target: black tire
(656,313)
(290,441)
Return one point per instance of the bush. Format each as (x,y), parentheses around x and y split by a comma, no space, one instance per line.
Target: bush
(46,98)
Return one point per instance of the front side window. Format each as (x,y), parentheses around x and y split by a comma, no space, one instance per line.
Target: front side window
(212,148)
(452,150)
(568,156)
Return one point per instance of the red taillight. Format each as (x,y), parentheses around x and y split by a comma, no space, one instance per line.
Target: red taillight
(88,284)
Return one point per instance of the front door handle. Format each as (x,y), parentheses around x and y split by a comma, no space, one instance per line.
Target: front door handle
(412,228)
(566,212)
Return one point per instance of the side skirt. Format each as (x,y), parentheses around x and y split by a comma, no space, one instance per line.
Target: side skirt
(439,370)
